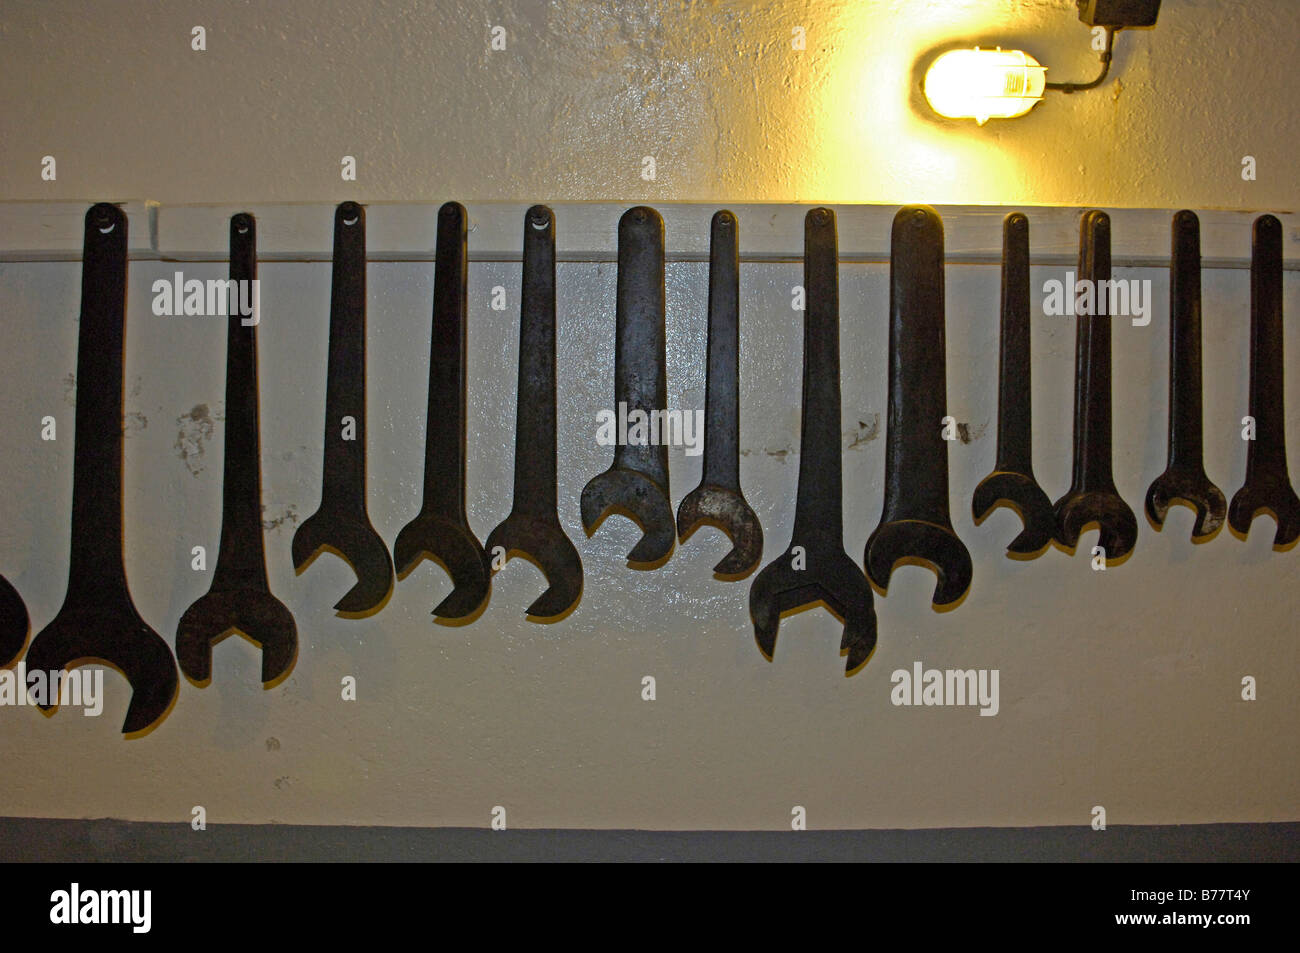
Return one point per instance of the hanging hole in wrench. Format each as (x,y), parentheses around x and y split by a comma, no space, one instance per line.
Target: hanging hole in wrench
(242,223)
(351,213)
(104,219)
(539,220)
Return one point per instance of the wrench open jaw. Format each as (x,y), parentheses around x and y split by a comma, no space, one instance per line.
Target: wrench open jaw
(1012,481)
(544,543)
(718,500)
(1092,496)
(240,599)
(815,566)
(454,546)
(340,524)
(1184,478)
(636,485)
(836,580)
(441,529)
(1021,492)
(532,529)
(729,511)
(257,615)
(98,621)
(1078,510)
(14,623)
(633,494)
(354,540)
(1268,482)
(1267,494)
(110,632)
(916,522)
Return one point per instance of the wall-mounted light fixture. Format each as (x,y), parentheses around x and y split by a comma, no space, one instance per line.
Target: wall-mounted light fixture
(1001,84)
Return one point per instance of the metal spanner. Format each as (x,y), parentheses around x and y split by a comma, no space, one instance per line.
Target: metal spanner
(341,523)
(240,598)
(533,527)
(718,500)
(1012,481)
(915,523)
(441,529)
(14,623)
(1092,496)
(1268,482)
(637,483)
(98,620)
(1184,477)
(814,565)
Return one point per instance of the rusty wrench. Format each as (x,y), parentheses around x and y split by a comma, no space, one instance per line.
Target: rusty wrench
(637,482)
(240,598)
(441,528)
(98,620)
(341,522)
(1012,481)
(1092,497)
(1184,477)
(533,528)
(821,569)
(1268,483)
(915,522)
(719,499)
(14,623)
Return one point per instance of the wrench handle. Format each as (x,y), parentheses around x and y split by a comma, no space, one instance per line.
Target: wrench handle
(535,493)
(1185,437)
(1015,407)
(1092,417)
(916,455)
(1268,450)
(344,480)
(819,514)
(444,445)
(241,562)
(722,385)
(639,338)
(96,558)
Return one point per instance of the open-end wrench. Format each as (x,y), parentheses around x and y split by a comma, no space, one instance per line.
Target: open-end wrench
(916,523)
(14,623)
(1184,477)
(718,500)
(637,483)
(821,569)
(441,529)
(1268,482)
(1092,496)
(533,528)
(98,621)
(341,523)
(1012,481)
(240,598)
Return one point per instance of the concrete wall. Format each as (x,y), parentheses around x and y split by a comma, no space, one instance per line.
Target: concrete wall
(1118,688)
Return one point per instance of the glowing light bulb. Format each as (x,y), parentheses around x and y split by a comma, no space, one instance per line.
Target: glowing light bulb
(984,84)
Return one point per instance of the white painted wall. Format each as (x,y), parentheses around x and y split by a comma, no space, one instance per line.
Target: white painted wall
(1118,688)
(584,90)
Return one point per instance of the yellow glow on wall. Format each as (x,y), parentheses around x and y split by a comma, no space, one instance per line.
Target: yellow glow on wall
(984,84)
(870,134)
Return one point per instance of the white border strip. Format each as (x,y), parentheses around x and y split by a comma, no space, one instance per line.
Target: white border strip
(38,231)
(55,231)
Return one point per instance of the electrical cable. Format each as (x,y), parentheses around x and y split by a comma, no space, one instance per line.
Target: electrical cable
(1105,67)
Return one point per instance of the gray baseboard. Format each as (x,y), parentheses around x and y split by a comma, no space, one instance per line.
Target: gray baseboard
(91,841)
